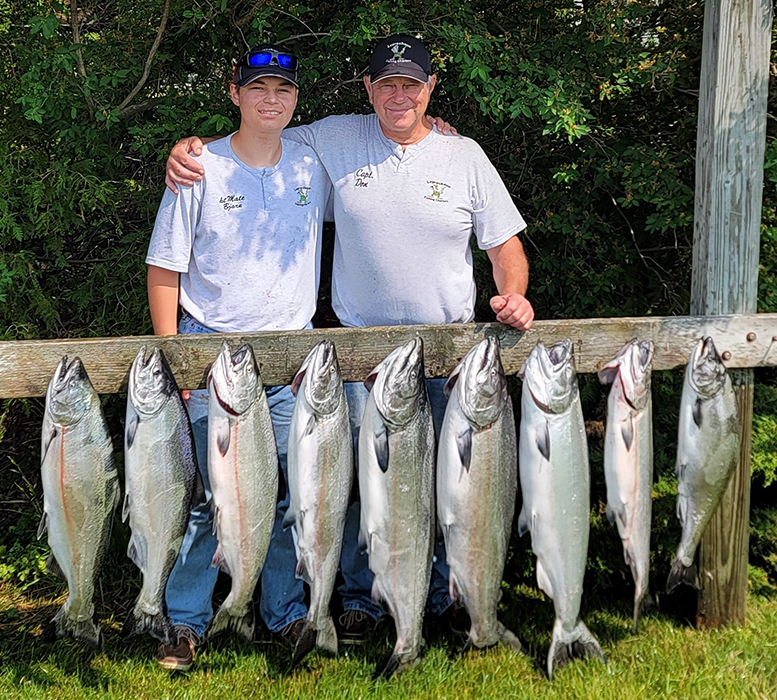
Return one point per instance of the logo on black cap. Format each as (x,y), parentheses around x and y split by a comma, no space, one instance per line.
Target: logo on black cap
(398,49)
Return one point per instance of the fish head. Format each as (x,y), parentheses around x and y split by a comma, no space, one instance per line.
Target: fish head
(480,383)
(320,379)
(235,379)
(151,381)
(632,368)
(706,371)
(398,383)
(549,375)
(70,393)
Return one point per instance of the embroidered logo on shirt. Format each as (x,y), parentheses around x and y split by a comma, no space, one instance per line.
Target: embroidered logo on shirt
(438,189)
(304,196)
(363,177)
(232,201)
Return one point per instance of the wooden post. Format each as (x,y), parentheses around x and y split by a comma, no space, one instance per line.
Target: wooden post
(729,182)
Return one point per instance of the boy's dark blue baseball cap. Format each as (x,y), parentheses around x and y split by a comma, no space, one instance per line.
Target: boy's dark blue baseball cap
(400,55)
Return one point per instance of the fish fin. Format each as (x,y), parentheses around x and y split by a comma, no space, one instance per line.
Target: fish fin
(301,572)
(157,625)
(198,492)
(395,665)
(131,430)
(679,471)
(219,562)
(62,627)
(288,519)
(305,644)
(627,432)
(451,383)
(577,644)
(310,426)
(326,639)
(369,380)
(379,554)
(523,523)
(697,412)
(381,446)
(53,567)
(44,524)
(510,640)
(609,371)
(610,514)
(543,442)
(455,590)
(136,551)
(223,434)
(682,509)
(543,580)
(617,514)
(215,512)
(296,383)
(642,603)
(241,622)
(45,450)
(125,508)
(464,445)
(363,541)
(679,573)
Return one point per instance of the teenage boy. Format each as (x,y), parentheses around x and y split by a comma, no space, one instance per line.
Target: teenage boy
(239,251)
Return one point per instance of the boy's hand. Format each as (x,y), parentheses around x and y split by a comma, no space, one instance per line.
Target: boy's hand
(181,168)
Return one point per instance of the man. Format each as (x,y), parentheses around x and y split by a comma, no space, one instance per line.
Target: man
(240,251)
(407,199)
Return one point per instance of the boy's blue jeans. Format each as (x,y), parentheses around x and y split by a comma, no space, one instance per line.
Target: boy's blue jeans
(190,586)
(356,589)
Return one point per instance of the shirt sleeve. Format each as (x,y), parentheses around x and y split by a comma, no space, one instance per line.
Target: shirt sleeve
(173,235)
(495,218)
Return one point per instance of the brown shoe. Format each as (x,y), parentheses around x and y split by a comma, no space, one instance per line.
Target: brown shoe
(355,626)
(290,634)
(181,656)
(458,618)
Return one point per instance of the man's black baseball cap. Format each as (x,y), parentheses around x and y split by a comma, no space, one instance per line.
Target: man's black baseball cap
(266,60)
(400,55)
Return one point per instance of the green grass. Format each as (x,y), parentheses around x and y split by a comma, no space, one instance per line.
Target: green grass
(667,659)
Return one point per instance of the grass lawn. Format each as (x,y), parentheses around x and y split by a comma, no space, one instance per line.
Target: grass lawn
(667,659)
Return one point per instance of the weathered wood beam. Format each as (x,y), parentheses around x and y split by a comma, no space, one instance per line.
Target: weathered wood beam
(729,182)
(746,341)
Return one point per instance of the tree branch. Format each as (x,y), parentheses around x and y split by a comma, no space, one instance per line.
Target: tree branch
(150,59)
(77,41)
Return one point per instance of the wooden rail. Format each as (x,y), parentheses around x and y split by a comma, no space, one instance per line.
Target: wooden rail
(745,340)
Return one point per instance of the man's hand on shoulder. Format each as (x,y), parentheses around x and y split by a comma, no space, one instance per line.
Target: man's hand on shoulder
(514,310)
(442,126)
(181,168)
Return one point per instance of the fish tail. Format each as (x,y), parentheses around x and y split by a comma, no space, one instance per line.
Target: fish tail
(62,627)
(305,644)
(567,646)
(642,601)
(510,640)
(229,619)
(157,625)
(327,636)
(679,573)
(399,662)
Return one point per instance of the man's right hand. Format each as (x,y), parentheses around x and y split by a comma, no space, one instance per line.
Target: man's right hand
(181,168)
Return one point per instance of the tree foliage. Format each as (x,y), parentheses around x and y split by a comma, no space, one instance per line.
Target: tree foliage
(588,111)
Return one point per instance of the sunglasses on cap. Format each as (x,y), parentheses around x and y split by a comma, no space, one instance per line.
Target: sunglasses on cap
(268,57)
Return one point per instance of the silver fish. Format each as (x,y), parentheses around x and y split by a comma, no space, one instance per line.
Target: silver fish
(80,494)
(477,478)
(161,477)
(243,472)
(628,458)
(396,482)
(553,464)
(320,480)
(707,452)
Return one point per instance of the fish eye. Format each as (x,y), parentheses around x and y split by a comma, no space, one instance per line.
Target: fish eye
(71,384)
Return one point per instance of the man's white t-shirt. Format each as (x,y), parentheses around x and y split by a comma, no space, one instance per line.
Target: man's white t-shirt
(246,240)
(404,221)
